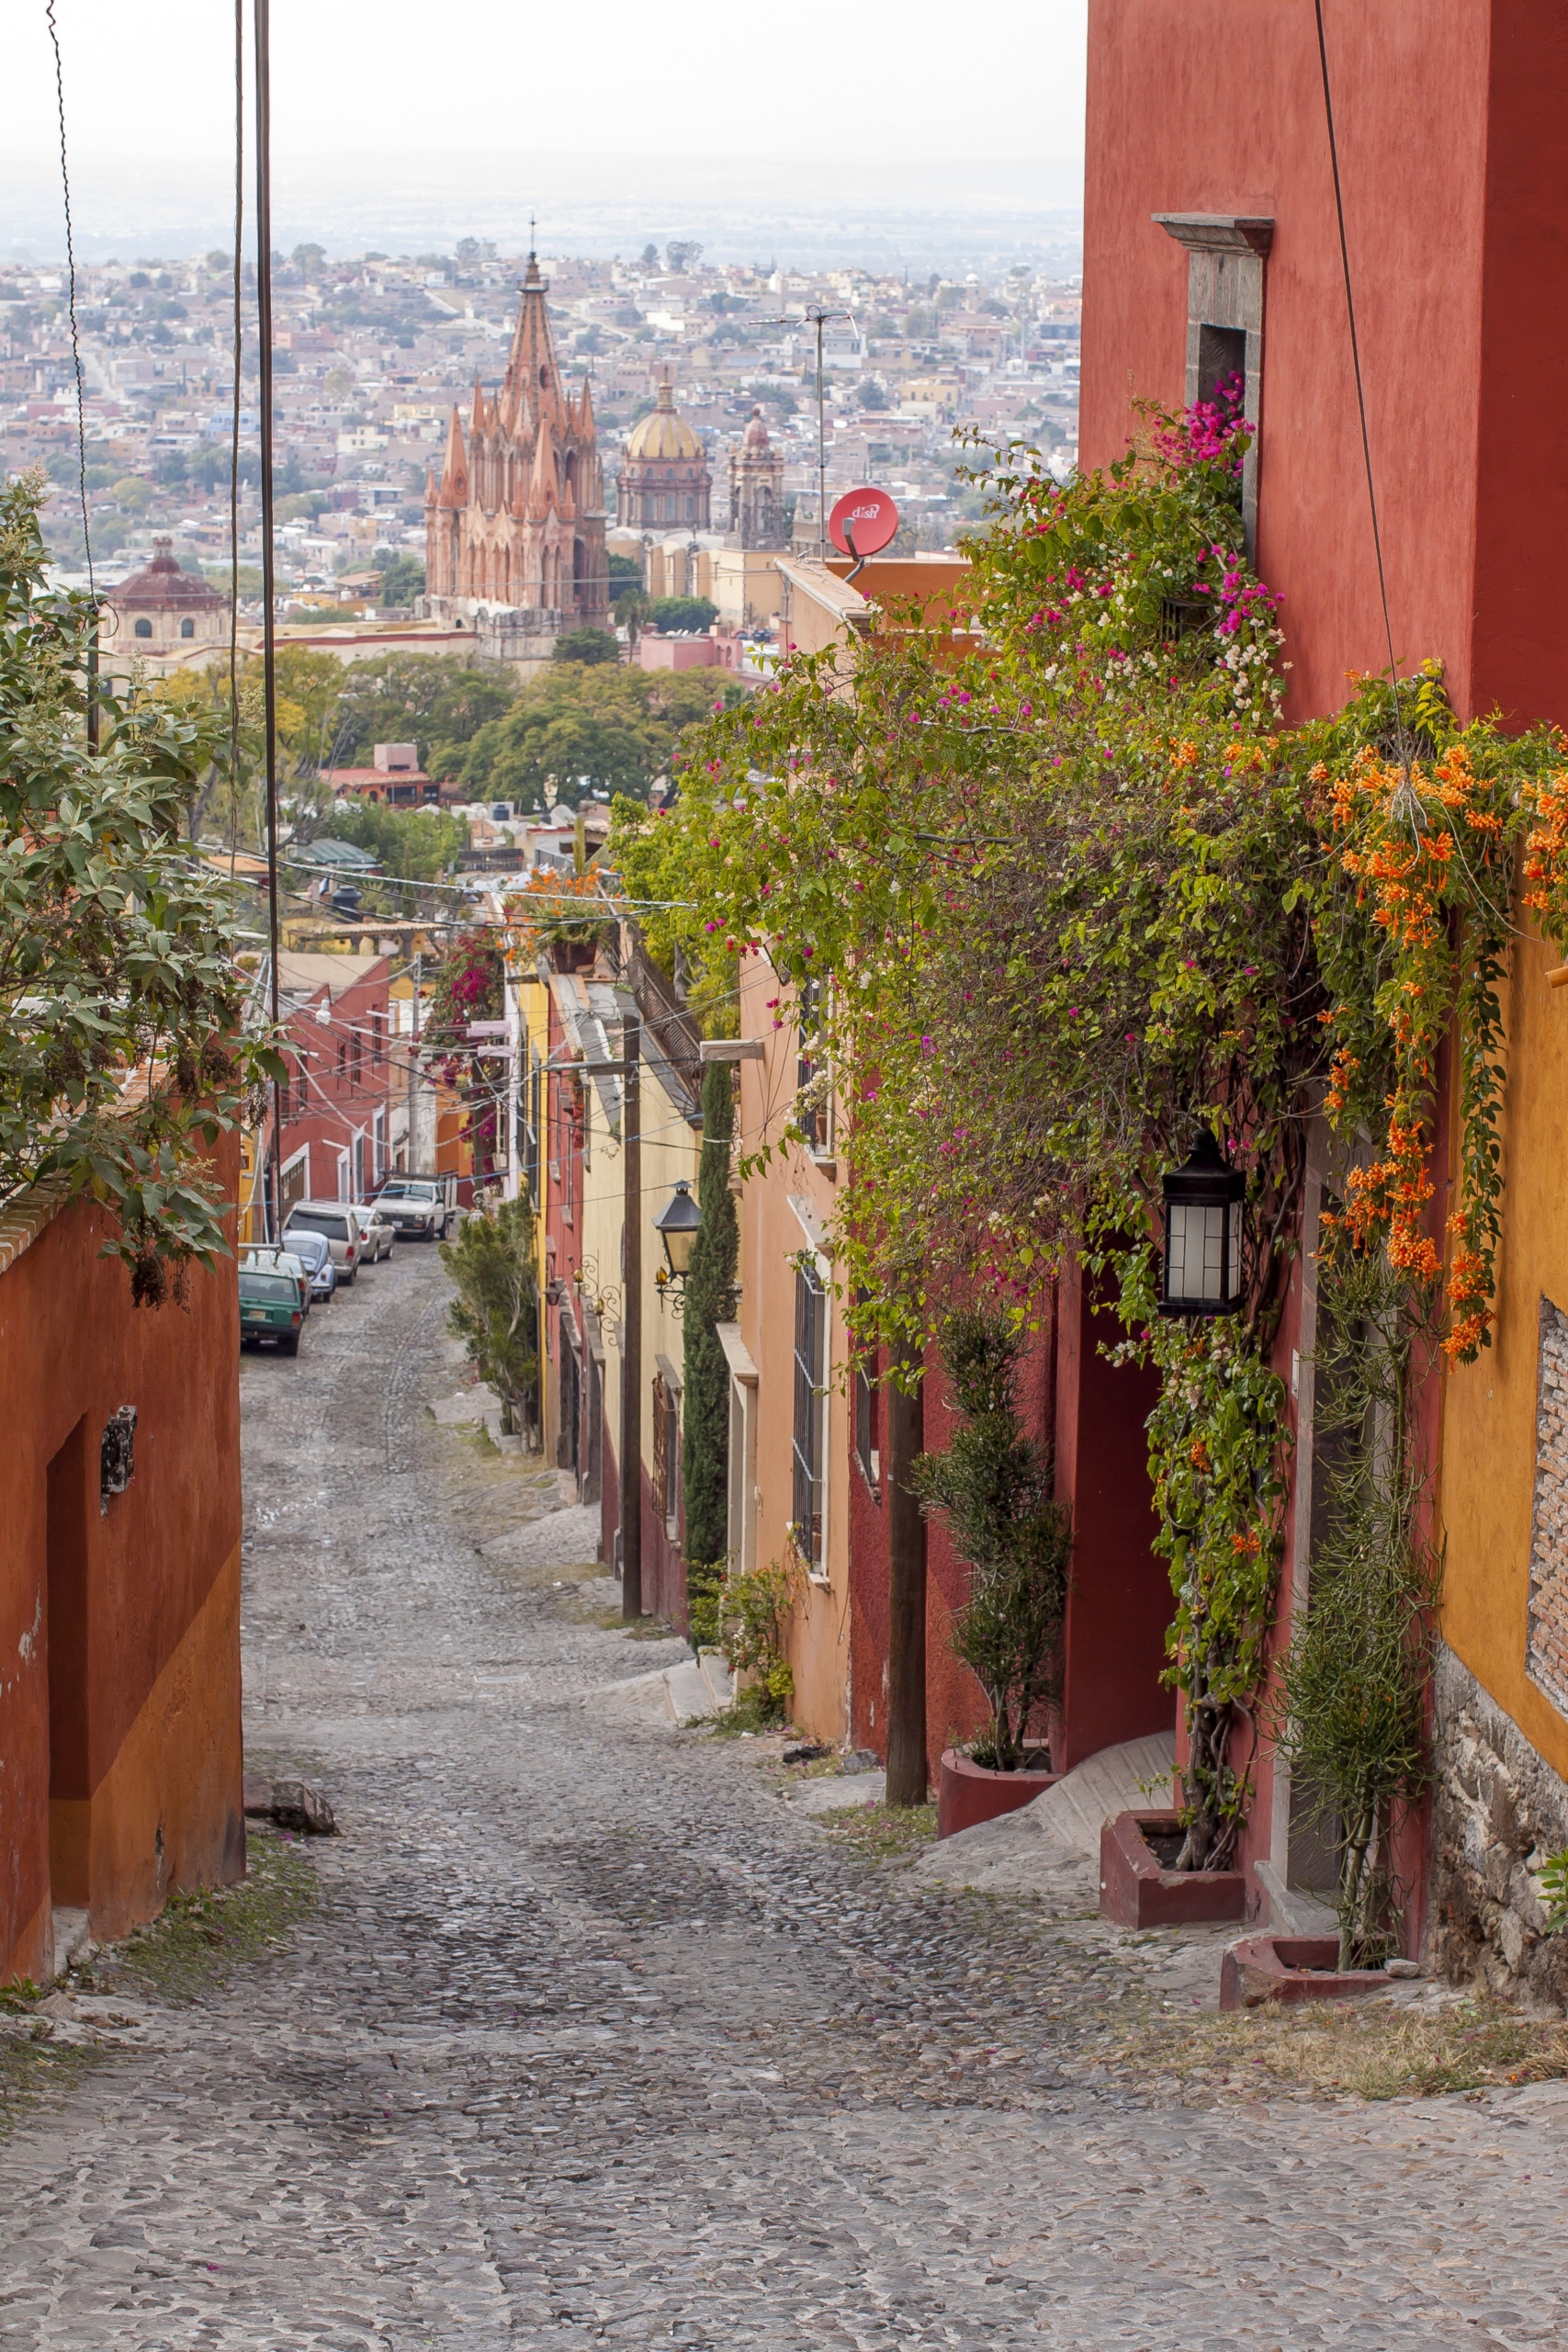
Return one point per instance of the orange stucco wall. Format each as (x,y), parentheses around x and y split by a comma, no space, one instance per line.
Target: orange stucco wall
(119,1688)
(1489,1419)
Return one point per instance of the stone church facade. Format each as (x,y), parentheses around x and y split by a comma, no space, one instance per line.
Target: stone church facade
(514,526)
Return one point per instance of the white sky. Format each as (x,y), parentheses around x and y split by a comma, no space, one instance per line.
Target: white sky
(916,82)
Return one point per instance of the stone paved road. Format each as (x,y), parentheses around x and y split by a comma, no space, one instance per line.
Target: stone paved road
(594,2040)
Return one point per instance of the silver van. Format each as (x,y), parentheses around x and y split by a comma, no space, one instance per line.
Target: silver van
(339,1228)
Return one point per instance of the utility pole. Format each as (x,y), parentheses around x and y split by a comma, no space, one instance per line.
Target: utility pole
(631,1321)
(820,319)
(412,1145)
(908,1777)
(269,616)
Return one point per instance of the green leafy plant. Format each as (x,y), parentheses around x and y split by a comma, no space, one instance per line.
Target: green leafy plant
(710,1299)
(705,1587)
(1555,1891)
(496,1310)
(123,1051)
(754,1614)
(992,1486)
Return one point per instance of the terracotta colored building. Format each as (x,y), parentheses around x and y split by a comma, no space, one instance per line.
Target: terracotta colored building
(163,617)
(1212,245)
(516,519)
(342,1073)
(120,1764)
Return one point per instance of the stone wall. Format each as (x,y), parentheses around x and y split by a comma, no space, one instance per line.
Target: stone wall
(1498,1809)
(1546,1658)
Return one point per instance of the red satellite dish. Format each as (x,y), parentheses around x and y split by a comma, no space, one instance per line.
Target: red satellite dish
(862,522)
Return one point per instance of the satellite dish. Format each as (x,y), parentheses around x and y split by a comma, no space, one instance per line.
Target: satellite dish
(862,522)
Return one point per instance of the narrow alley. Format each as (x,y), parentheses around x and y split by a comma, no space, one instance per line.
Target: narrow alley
(592,2038)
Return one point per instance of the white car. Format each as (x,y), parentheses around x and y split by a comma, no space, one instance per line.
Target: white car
(376,1232)
(339,1227)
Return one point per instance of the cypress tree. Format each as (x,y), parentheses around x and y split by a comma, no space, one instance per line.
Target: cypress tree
(710,1300)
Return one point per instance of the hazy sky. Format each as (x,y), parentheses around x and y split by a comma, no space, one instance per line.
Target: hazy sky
(915,83)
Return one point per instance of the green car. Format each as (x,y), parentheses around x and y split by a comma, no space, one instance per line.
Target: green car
(269,1309)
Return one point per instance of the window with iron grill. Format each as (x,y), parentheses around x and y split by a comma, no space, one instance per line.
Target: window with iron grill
(810,1413)
(811,1109)
(531,1129)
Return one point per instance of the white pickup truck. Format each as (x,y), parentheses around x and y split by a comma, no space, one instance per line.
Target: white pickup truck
(419,1208)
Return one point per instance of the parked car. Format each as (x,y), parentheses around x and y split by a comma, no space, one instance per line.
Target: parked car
(268,1257)
(419,1207)
(315,1254)
(338,1225)
(376,1231)
(270,1308)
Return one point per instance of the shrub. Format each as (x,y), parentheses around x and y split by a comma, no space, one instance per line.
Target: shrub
(753,1613)
(992,1487)
(496,1310)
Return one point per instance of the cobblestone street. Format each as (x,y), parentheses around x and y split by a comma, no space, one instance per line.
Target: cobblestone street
(590,2038)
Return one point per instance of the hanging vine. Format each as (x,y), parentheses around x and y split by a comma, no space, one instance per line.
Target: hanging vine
(1072,891)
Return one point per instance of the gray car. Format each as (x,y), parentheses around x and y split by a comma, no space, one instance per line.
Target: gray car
(314,1253)
(376,1231)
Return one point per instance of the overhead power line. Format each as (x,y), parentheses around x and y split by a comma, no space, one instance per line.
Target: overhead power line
(71,297)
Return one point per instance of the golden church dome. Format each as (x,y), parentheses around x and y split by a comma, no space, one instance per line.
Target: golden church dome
(664,431)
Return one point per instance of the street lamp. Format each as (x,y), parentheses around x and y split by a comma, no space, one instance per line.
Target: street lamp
(676,1226)
(1203,1233)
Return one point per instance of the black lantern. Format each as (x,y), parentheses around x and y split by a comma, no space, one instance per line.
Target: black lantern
(676,1226)
(1203,1233)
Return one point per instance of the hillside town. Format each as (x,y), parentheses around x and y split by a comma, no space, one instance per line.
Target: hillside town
(371,354)
(782,1294)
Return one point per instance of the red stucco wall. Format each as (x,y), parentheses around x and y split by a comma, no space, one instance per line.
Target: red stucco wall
(144,1638)
(1456,191)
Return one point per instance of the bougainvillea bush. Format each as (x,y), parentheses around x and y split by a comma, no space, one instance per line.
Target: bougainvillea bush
(1075,892)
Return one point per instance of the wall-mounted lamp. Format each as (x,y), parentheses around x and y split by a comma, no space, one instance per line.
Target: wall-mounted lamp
(1203,1233)
(677,1226)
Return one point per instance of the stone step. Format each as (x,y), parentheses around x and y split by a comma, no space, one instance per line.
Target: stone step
(687,1697)
(718,1679)
(1055,1840)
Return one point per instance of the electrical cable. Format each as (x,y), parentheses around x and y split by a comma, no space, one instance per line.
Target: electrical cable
(269,615)
(234,437)
(1401,734)
(71,297)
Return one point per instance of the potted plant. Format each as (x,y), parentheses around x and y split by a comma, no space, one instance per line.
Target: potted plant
(992,1487)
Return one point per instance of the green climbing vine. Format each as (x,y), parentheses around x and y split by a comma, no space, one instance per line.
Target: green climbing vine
(1064,889)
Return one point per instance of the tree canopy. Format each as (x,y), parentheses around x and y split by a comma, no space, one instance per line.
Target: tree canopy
(596,729)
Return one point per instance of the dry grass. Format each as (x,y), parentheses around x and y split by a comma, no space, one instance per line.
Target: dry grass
(200,1937)
(35,2072)
(1353,2049)
(880,1832)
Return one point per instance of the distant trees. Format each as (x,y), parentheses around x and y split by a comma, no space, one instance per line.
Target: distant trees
(675,613)
(402,579)
(589,644)
(601,728)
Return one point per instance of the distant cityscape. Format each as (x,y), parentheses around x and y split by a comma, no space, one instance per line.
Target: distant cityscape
(372,355)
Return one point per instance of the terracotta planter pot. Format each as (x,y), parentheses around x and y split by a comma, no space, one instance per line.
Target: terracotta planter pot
(967,1792)
(1291,1968)
(1138,1890)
